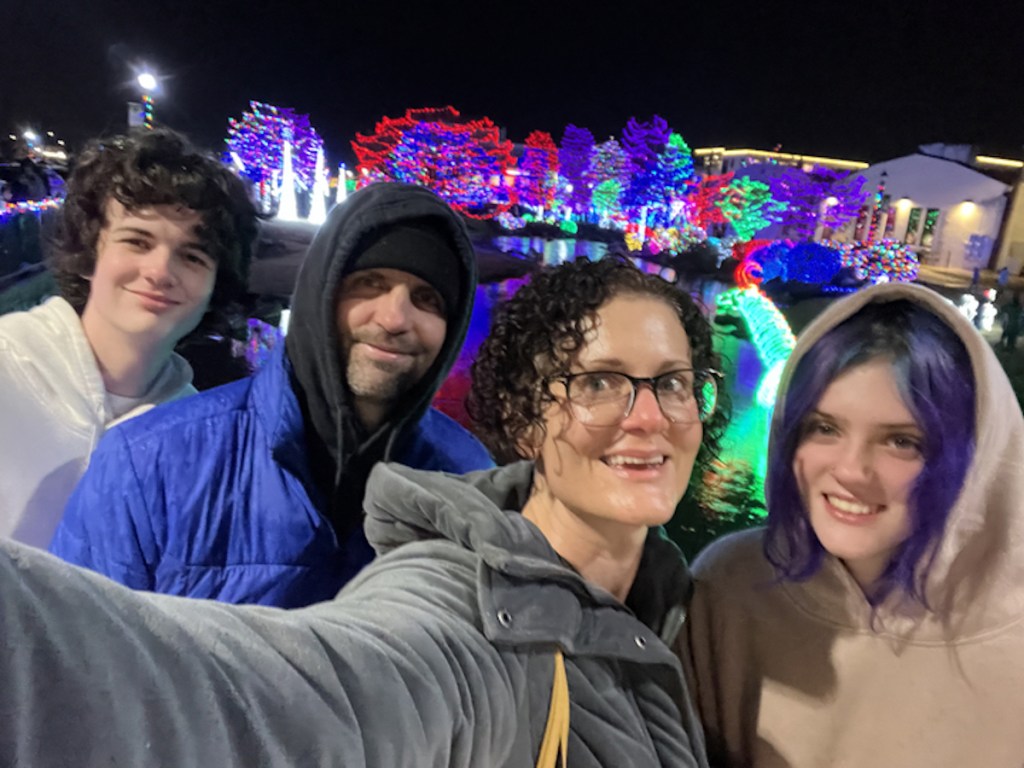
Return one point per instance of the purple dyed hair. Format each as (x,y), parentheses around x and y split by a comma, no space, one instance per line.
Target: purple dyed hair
(933,374)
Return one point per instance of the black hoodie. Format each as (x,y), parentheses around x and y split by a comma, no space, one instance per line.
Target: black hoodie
(341,451)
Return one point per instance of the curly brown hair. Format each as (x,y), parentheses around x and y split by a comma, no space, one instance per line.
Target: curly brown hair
(158,167)
(536,334)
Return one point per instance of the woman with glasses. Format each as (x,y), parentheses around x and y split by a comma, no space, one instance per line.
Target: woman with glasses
(514,614)
(878,619)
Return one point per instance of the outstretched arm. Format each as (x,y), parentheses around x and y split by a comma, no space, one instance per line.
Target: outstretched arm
(94,674)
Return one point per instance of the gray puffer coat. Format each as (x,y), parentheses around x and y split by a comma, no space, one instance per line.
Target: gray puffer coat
(439,654)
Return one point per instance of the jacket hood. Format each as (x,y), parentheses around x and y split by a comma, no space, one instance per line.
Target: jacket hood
(976,581)
(480,512)
(51,336)
(312,343)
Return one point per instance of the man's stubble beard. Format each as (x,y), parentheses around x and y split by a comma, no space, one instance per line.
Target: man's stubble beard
(379,382)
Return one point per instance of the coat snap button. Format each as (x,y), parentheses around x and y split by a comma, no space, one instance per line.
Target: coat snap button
(641,641)
(505,618)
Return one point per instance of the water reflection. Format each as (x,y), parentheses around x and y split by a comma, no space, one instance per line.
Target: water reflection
(552,251)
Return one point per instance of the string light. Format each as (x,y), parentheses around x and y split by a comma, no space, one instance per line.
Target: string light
(466,162)
(28,206)
(769,332)
(258,139)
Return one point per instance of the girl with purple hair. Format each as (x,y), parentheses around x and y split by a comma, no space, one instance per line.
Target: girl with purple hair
(878,618)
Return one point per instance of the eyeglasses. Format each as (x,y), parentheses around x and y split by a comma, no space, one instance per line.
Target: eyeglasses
(605,398)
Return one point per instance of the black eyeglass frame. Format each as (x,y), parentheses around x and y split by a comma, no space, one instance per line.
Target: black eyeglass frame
(709,374)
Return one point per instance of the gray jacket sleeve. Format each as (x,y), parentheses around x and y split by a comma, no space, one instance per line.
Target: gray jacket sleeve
(392,673)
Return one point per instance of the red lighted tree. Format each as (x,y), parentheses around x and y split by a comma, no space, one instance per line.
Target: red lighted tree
(704,211)
(537,181)
(464,161)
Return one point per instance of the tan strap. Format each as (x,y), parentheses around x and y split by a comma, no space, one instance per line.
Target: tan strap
(556,733)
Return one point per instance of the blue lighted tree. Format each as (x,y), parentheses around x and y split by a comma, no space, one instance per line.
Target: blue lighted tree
(575,159)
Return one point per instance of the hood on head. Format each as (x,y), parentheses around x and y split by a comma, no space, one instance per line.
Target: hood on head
(312,343)
(977,577)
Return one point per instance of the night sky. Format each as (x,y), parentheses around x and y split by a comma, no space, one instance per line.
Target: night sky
(861,81)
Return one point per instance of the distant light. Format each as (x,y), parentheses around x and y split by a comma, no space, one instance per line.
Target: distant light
(968,205)
(147,81)
(12,137)
(904,202)
(1005,162)
(61,142)
(831,200)
(30,136)
(50,134)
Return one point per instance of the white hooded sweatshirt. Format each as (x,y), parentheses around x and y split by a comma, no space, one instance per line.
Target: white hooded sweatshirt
(53,411)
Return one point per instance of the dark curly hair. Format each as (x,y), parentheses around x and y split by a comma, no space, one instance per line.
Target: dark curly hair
(536,333)
(158,167)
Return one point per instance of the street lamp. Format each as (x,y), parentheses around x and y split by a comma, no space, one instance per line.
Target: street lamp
(147,81)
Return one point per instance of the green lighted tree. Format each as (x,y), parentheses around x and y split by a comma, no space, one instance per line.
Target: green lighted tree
(748,206)
(606,198)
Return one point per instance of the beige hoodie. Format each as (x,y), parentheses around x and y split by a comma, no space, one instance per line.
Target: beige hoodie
(795,675)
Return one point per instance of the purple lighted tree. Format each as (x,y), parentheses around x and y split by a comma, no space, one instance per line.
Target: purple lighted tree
(576,158)
(822,197)
(258,139)
(643,142)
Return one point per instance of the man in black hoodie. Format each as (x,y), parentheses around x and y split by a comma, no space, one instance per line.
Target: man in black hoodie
(252,492)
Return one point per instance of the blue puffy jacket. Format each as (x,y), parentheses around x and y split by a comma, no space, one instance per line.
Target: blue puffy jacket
(164,507)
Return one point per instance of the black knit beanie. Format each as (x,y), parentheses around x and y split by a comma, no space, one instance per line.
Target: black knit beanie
(421,248)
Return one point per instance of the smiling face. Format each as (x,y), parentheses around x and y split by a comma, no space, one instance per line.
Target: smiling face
(624,478)
(153,278)
(859,455)
(391,325)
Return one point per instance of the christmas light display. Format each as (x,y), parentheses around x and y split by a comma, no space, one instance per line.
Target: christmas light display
(818,202)
(537,181)
(576,159)
(643,142)
(884,261)
(806,262)
(258,140)
(318,205)
(666,182)
(876,208)
(702,202)
(147,111)
(288,208)
(768,331)
(748,206)
(463,161)
(341,194)
(605,200)
(28,206)
(611,163)
(770,259)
